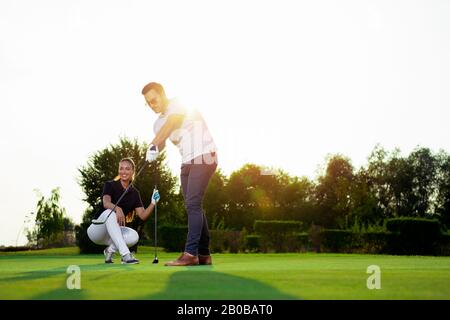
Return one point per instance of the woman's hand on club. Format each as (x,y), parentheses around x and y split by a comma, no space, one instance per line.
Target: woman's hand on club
(155,196)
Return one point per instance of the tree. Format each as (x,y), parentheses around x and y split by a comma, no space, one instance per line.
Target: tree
(251,195)
(424,170)
(404,186)
(390,178)
(442,202)
(399,177)
(375,177)
(103,166)
(215,200)
(296,198)
(51,221)
(364,208)
(333,192)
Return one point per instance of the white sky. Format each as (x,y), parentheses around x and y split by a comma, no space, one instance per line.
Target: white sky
(280,83)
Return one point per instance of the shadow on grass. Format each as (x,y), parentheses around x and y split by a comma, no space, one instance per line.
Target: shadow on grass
(62,293)
(36,274)
(196,283)
(42,274)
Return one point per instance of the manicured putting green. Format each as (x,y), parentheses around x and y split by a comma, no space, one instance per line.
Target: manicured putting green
(42,275)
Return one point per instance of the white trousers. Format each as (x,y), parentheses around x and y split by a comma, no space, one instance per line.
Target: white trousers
(112,235)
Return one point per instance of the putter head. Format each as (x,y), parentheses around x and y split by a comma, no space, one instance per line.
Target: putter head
(155,260)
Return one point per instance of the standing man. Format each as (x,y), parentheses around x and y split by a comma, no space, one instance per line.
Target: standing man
(189,132)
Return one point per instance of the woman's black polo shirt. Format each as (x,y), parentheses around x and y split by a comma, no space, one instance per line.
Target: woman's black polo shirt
(129,202)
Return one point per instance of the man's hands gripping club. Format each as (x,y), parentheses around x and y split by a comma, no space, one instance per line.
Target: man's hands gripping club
(152,153)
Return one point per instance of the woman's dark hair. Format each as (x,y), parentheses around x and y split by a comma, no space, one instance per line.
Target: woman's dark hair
(154,86)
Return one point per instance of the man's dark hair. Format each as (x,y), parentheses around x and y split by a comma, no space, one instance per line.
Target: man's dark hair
(154,86)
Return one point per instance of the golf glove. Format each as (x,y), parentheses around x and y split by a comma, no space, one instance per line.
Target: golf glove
(155,196)
(152,153)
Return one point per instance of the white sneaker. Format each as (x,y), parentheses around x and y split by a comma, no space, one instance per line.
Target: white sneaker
(129,259)
(108,256)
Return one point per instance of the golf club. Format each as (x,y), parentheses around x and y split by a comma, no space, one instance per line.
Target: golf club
(155,260)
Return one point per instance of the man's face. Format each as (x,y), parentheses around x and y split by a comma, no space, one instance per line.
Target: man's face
(155,101)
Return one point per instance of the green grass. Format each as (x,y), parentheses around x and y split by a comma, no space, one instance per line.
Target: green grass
(42,275)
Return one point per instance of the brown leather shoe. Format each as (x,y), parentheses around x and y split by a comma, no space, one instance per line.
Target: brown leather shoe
(185,259)
(204,260)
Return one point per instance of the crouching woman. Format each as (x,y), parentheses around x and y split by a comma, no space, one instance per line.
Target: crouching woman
(109,228)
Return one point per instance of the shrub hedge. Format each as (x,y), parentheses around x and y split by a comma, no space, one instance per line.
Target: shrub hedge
(374,242)
(84,243)
(414,236)
(444,248)
(403,236)
(225,241)
(333,240)
(277,235)
(172,238)
(252,243)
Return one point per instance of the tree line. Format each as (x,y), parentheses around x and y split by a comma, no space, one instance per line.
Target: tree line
(389,185)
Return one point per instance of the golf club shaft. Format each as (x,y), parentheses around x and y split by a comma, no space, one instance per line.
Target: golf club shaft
(156,227)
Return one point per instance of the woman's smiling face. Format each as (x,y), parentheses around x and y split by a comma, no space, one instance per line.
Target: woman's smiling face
(126,171)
